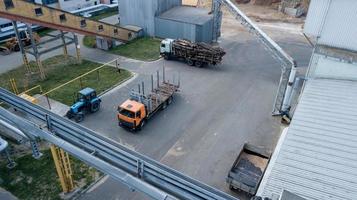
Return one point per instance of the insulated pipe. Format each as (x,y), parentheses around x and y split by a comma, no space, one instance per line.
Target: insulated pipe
(3,144)
(152,83)
(13,129)
(289,89)
(158,78)
(143,87)
(116,173)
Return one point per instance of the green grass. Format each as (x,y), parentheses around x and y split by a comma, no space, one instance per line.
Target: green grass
(43,32)
(89,41)
(37,179)
(59,71)
(144,49)
(105,14)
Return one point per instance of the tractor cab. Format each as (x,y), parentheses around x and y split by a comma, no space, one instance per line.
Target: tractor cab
(86,95)
(86,102)
(131,115)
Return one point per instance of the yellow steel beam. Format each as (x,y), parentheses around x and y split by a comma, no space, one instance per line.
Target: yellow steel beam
(21,10)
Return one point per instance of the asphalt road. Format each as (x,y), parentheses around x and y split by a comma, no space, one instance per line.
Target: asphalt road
(217,111)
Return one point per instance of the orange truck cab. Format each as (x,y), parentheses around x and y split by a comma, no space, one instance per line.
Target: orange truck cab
(132,115)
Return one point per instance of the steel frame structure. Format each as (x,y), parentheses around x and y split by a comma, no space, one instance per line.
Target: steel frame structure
(288,64)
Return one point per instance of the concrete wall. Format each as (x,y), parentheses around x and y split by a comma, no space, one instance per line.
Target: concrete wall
(142,13)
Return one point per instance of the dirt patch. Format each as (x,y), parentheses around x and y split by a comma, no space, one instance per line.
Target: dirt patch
(261,12)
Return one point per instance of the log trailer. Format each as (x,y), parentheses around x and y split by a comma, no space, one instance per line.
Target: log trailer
(134,112)
(195,54)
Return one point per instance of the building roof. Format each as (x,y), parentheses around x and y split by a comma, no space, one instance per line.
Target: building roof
(317,158)
(334,22)
(186,14)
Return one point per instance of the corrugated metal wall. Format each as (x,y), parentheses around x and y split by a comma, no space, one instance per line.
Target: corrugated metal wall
(334,21)
(142,12)
(205,32)
(332,68)
(165,28)
(173,29)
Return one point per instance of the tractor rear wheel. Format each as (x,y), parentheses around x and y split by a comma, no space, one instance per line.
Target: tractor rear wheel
(79,117)
(69,115)
(95,107)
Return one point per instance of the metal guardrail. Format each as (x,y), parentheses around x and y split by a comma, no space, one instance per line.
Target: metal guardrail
(108,156)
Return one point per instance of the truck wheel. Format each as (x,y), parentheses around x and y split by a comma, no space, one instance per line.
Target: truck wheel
(169,101)
(190,62)
(79,118)
(164,105)
(142,124)
(95,107)
(199,64)
(167,57)
(69,115)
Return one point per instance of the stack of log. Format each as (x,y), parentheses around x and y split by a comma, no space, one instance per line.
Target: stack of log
(202,52)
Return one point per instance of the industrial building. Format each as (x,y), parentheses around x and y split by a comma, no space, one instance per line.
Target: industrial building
(168,19)
(316,156)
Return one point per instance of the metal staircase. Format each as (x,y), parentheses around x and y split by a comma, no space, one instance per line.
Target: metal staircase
(20,10)
(63,167)
(288,64)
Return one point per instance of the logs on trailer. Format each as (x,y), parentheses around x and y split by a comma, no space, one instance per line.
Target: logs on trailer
(201,52)
(198,54)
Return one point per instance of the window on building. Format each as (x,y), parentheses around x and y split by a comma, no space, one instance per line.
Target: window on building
(116,31)
(62,18)
(83,23)
(46,2)
(8,4)
(38,11)
(100,28)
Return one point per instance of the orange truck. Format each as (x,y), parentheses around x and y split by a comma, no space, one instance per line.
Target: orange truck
(134,112)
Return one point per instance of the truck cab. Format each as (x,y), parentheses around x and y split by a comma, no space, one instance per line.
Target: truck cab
(166,47)
(132,115)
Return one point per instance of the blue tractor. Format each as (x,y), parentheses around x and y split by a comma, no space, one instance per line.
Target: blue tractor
(87,102)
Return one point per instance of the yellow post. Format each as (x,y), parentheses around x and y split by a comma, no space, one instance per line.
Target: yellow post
(63,167)
(27,64)
(40,68)
(14,86)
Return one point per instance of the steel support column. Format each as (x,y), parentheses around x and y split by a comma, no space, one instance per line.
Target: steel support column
(21,46)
